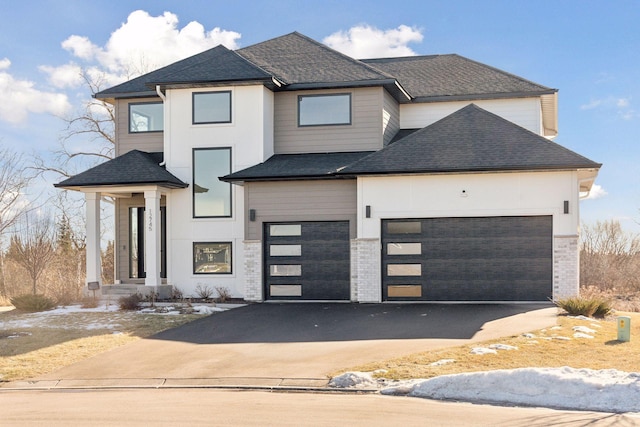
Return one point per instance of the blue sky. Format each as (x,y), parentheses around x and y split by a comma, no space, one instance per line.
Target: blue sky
(589,50)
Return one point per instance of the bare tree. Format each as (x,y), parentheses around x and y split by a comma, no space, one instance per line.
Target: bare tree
(609,257)
(32,247)
(14,179)
(94,125)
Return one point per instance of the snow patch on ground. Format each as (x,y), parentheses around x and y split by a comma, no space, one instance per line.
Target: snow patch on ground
(607,390)
(506,347)
(483,350)
(584,330)
(442,362)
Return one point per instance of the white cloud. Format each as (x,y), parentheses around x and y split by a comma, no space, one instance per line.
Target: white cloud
(141,44)
(365,41)
(594,103)
(20,97)
(596,192)
(68,75)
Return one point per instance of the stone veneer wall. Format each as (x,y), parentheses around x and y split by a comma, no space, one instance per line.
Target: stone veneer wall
(365,263)
(253,270)
(566,267)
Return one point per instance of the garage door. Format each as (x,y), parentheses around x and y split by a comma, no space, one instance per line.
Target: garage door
(307,260)
(467,259)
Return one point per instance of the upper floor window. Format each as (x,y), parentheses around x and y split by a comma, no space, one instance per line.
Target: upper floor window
(211,197)
(211,107)
(146,117)
(318,110)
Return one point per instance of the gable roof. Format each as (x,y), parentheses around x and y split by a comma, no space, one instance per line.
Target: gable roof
(471,139)
(303,63)
(447,77)
(215,65)
(132,168)
(297,166)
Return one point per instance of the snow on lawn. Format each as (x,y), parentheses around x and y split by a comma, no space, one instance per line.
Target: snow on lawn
(606,390)
(59,317)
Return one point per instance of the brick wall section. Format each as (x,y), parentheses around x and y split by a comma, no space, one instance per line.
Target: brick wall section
(367,265)
(253,270)
(354,269)
(566,267)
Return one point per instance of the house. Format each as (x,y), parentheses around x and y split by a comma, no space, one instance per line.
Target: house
(288,171)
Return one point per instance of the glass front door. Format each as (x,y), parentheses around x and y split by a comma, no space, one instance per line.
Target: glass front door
(137,243)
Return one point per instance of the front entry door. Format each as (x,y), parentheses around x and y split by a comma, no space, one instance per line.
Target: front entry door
(137,243)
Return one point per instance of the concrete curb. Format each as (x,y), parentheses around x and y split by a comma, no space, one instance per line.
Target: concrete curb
(320,385)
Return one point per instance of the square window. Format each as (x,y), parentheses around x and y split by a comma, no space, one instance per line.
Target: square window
(146,117)
(211,107)
(322,110)
(211,197)
(212,258)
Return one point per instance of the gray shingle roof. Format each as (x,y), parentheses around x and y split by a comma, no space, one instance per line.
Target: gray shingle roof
(471,139)
(450,76)
(214,65)
(296,166)
(297,59)
(303,63)
(134,167)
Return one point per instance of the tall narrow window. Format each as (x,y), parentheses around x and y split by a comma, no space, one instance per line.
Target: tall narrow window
(211,197)
(319,110)
(146,117)
(211,107)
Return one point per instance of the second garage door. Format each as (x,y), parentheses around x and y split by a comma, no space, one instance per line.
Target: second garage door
(467,259)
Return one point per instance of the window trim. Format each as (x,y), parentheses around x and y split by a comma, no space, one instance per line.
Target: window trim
(325,95)
(193,108)
(193,253)
(193,180)
(130,104)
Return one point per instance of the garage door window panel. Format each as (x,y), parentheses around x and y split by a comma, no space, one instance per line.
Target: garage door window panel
(404,269)
(413,227)
(285,270)
(285,250)
(397,248)
(285,230)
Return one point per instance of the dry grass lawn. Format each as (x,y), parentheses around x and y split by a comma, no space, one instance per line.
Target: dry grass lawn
(546,348)
(31,345)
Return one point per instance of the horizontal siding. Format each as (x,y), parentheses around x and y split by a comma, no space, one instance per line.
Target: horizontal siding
(390,118)
(525,112)
(150,142)
(364,133)
(299,201)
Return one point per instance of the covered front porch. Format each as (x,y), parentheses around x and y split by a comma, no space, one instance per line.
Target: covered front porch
(137,182)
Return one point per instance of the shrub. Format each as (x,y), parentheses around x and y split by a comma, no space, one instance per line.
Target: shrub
(176,294)
(223,294)
(204,293)
(89,302)
(32,303)
(130,303)
(590,307)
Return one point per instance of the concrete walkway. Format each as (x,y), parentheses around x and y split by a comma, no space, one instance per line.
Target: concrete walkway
(291,346)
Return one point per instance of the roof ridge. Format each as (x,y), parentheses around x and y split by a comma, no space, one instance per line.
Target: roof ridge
(327,48)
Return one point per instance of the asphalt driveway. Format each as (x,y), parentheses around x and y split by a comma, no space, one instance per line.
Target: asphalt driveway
(259,343)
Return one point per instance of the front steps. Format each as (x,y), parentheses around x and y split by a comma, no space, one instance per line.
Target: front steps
(124,290)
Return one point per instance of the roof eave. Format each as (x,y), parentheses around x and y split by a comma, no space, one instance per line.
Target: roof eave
(478,96)
(594,167)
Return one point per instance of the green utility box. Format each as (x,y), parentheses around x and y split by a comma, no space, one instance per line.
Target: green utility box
(624,328)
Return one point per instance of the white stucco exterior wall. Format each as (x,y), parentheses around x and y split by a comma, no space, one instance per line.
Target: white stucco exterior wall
(250,137)
(477,195)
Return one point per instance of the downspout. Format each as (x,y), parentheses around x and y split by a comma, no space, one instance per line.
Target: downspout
(164,99)
(582,197)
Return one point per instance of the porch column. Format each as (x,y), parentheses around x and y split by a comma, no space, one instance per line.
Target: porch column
(94,268)
(152,237)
